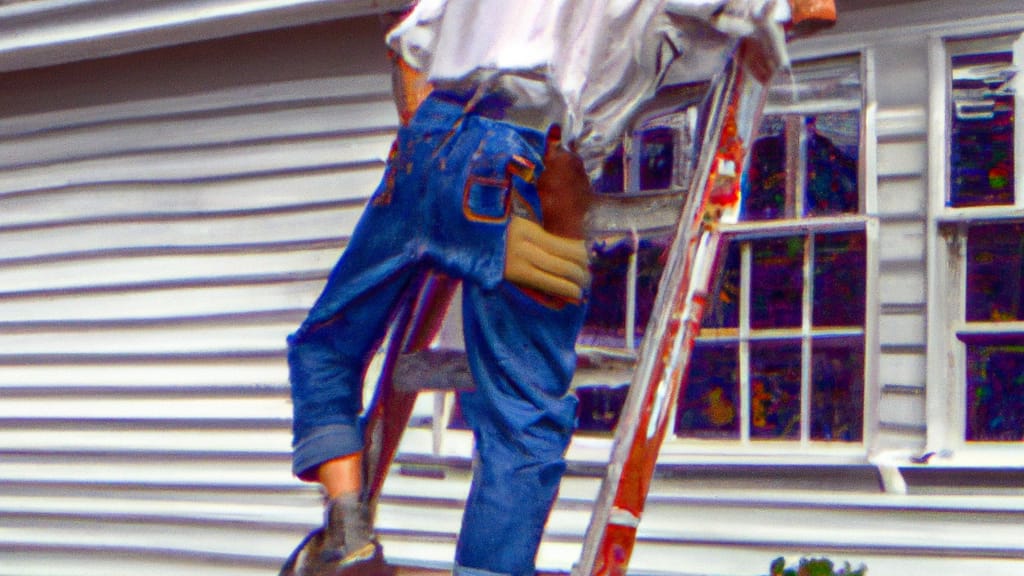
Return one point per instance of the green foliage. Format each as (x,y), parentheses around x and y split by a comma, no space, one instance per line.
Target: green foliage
(815,567)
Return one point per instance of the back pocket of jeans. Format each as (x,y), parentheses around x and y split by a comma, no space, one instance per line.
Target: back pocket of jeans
(486,200)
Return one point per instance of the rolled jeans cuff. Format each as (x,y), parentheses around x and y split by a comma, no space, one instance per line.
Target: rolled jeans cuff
(322,444)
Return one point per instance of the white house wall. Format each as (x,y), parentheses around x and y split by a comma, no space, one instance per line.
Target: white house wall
(165,220)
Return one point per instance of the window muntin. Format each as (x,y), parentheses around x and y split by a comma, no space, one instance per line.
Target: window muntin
(781,355)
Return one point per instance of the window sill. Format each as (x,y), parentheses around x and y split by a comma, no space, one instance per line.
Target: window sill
(591,448)
(969,214)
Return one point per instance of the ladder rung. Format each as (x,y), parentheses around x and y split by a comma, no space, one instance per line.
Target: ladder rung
(433,369)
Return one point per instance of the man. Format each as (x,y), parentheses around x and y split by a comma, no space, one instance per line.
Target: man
(488,182)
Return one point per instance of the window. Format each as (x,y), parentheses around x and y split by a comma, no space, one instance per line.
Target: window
(981,135)
(982,226)
(785,337)
(782,346)
(781,354)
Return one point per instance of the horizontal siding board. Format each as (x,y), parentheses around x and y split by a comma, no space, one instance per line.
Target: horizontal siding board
(169,510)
(75,561)
(160,471)
(176,339)
(902,409)
(228,410)
(902,330)
(902,197)
(902,284)
(701,559)
(902,369)
(902,158)
(902,241)
(99,201)
(150,269)
(167,538)
(951,535)
(350,87)
(196,129)
(215,162)
(91,441)
(164,303)
(162,232)
(153,374)
(901,123)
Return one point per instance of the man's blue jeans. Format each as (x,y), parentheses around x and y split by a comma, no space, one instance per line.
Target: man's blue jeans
(452,183)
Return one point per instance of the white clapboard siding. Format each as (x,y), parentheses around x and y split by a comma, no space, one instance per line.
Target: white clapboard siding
(901,171)
(155,251)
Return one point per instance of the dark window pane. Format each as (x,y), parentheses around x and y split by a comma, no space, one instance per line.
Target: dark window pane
(833,145)
(599,407)
(981,142)
(708,407)
(776,282)
(995,258)
(650,263)
(764,194)
(723,308)
(775,390)
(995,392)
(840,268)
(605,324)
(657,157)
(612,178)
(837,403)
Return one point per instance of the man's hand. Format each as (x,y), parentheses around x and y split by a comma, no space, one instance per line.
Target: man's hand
(564,188)
(537,259)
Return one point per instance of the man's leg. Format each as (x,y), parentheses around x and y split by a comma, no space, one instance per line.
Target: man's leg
(521,348)
(522,356)
(329,353)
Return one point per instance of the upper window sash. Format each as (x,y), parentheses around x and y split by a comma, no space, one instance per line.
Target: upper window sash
(984,142)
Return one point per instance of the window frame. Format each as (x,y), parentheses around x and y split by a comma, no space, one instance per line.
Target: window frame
(595,447)
(947,267)
(685,449)
(744,334)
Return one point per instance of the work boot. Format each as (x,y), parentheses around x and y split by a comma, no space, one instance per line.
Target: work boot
(344,546)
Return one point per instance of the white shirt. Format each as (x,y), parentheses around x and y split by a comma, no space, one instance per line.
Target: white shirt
(584,64)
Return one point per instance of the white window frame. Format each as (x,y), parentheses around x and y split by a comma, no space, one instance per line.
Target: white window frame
(744,335)
(681,449)
(947,239)
(445,442)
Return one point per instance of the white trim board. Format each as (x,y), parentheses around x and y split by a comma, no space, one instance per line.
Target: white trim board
(50,32)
